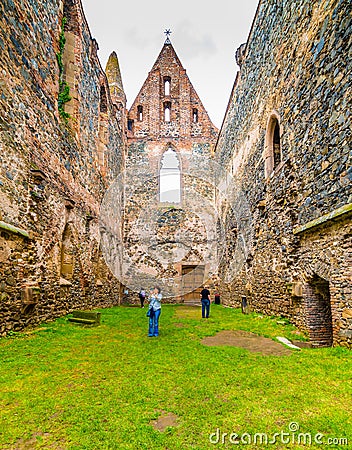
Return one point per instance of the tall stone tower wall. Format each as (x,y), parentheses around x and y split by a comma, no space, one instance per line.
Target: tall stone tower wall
(285,144)
(57,160)
(167,114)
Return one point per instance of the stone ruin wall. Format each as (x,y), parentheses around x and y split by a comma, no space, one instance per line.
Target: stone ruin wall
(295,68)
(53,174)
(161,237)
(155,232)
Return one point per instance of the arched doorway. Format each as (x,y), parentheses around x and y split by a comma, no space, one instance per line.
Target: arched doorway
(316,295)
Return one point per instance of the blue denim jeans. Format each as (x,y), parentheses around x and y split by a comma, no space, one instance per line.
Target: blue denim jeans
(205,307)
(154,323)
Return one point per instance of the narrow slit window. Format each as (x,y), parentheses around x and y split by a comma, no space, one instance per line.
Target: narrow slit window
(167,111)
(276,145)
(67,253)
(140,113)
(170,178)
(130,124)
(167,85)
(103,100)
(273,150)
(195,115)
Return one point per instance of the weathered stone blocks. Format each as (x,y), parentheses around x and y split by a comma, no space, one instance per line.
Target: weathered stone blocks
(51,172)
(294,68)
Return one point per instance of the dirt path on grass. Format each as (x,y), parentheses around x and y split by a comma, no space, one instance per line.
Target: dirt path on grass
(247,340)
(235,338)
(188,312)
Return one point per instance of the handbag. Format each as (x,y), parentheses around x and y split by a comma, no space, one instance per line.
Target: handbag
(150,312)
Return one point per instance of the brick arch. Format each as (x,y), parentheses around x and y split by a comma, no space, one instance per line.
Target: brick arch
(272,154)
(174,148)
(318,310)
(316,265)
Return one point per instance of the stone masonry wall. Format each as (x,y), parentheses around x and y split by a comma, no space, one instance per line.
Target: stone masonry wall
(160,237)
(53,174)
(294,73)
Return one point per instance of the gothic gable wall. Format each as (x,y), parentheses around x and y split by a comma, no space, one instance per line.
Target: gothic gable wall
(183,101)
(178,238)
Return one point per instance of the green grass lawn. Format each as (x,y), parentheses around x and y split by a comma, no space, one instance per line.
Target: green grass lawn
(64,386)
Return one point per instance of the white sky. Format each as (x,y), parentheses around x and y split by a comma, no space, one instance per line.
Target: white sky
(170,178)
(205,36)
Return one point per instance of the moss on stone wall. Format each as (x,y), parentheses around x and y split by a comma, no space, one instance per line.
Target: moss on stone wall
(64,88)
(8,227)
(50,175)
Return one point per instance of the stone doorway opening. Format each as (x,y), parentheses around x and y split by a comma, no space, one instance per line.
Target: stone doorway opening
(192,280)
(318,312)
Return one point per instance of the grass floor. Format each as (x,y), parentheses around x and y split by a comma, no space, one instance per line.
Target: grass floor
(69,387)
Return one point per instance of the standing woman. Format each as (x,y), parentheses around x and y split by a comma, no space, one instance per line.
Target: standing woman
(205,298)
(154,312)
(141,296)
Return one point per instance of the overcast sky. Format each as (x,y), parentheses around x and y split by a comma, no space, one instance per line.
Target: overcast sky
(205,36)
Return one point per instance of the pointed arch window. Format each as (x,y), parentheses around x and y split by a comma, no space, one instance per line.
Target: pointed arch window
(140,113)
(67,253)
(195,115)
(167,85)
(273,155)
(170,178)
(167,111)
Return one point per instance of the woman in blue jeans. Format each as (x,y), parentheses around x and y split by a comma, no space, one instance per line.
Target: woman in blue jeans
(154,312)
(205,294)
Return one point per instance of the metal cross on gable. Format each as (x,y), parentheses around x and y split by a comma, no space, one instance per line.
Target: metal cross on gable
(167,33)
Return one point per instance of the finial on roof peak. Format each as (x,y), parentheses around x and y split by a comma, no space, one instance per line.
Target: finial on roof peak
(167,33)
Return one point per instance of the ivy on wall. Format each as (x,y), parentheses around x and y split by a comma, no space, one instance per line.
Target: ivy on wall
(64,88)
